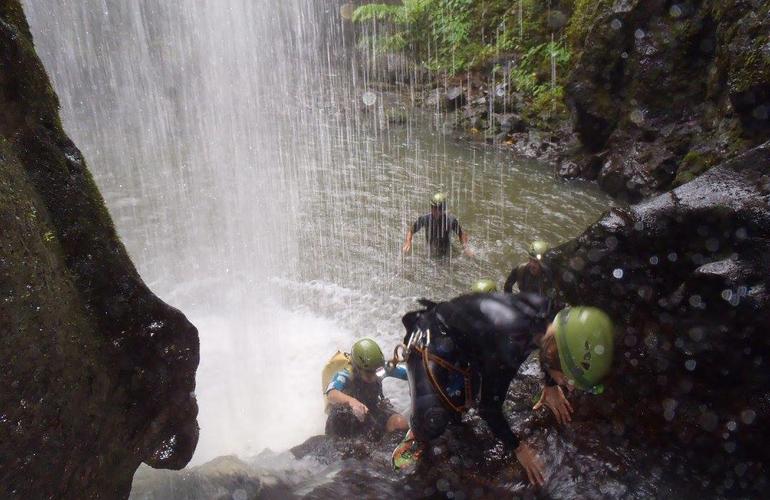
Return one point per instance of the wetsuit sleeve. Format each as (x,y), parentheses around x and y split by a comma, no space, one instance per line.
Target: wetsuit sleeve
(339,381)
(454,225)
(493,392)
(420,223)
(399,372)
(508,287)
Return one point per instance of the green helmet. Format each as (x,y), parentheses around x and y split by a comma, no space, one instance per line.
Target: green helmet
(537,249)
(438,200)
(584,336)
(484,286)
(367,355)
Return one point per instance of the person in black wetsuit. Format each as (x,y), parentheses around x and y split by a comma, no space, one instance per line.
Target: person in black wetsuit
(438,225)
(531,276)
(464,353)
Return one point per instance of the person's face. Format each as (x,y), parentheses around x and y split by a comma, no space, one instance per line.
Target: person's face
(436,210)
(368,376)
(534,265)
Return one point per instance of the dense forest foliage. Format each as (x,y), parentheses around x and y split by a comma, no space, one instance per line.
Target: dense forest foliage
(451,37)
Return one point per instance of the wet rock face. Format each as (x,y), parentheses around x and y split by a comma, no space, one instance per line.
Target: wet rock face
(686,275)
(98,373)
(656,82)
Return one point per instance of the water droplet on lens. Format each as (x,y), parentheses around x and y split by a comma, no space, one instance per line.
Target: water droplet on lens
(690,364)
(616,24)
(369,98)
(748,416)
(617,273)
(346,10)
(637,116)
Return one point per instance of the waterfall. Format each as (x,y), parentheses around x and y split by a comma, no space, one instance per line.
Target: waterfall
(256,175)
(196,117)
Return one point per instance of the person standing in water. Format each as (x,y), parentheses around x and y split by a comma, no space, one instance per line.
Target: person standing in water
(438,225)
(531,276)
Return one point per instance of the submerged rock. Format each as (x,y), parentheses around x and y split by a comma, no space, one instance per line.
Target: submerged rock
(98,373)
(686,277)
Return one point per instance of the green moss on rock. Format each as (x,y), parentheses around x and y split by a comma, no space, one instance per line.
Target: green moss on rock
(91,390)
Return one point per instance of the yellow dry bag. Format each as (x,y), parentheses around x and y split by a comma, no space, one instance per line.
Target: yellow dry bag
(338,362)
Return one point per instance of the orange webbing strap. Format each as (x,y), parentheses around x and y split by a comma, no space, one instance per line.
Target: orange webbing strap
(426,357)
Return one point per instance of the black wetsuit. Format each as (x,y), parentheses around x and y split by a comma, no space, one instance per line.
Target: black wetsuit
(528,282)
(488,334)
(437,232)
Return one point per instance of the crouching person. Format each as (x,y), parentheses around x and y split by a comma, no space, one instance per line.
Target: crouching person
(357,406)
(464,353)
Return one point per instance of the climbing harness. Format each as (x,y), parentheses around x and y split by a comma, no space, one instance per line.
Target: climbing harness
(419,342)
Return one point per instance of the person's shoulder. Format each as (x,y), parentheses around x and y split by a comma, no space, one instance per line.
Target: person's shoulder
(343,375)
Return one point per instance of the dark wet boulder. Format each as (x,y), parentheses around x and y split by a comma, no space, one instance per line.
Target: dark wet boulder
(510,122)
(98,373)
(451,98)
(685,275)
(657,81)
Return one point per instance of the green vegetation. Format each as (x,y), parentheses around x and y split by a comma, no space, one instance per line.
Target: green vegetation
(694,164)
(583,14)
(451,37)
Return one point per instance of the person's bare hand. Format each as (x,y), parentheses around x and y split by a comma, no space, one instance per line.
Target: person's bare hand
(531,463)
(359,409)
(407,247)
(468,252)
(553,398)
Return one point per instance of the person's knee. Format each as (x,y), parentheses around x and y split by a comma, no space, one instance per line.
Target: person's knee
(430,422)
(396,422)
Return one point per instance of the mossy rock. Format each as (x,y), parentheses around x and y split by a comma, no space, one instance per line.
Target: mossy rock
(93,386)
(693,164)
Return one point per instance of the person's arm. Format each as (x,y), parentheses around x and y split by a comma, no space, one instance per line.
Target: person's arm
(553,395)
(494,389)
(408,241)
(418,224)
(335,396)
(463,237)
(508,287)
(399,372)
(493,392)
(464,240)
